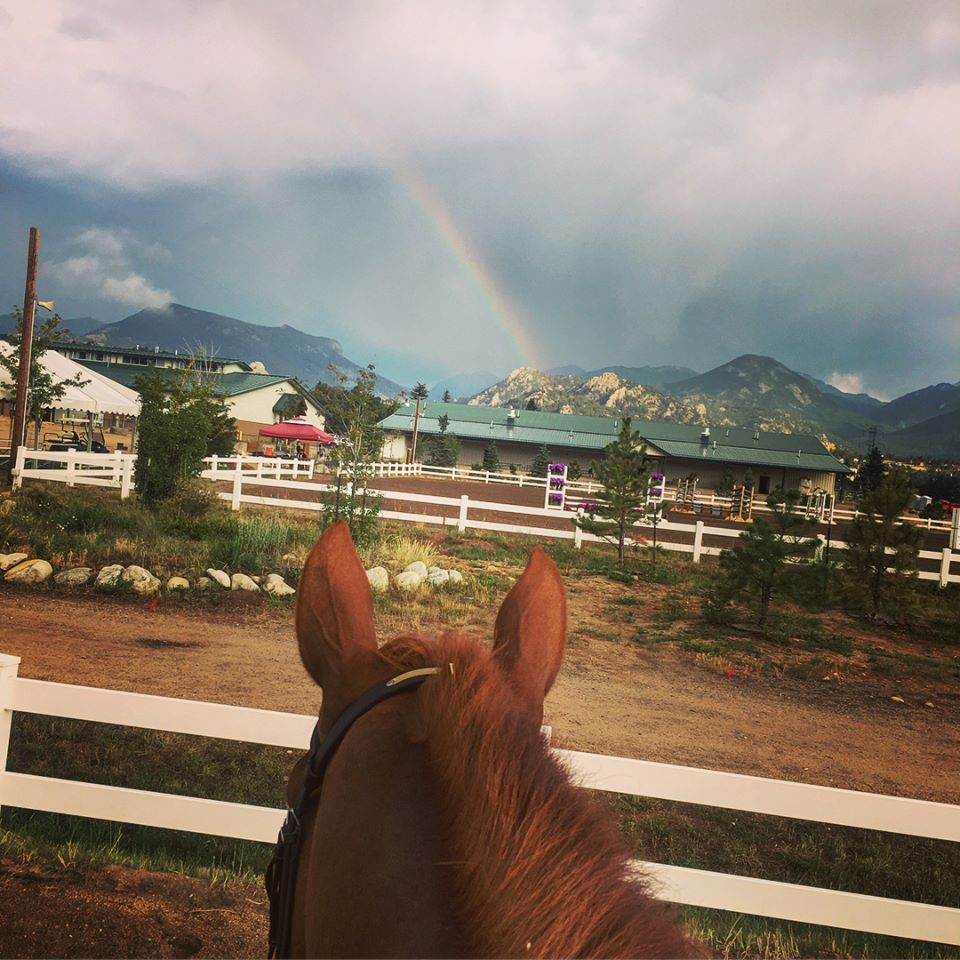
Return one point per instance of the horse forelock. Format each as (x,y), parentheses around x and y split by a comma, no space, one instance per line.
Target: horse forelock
(541,868)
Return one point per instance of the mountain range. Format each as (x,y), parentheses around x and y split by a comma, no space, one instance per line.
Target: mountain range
(284,349)
(748,391)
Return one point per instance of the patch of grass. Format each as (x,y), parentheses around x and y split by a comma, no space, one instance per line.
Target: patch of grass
(630,600)
(398,551)
(834,642)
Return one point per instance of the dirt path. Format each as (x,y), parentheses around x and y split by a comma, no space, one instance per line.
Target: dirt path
(611,697)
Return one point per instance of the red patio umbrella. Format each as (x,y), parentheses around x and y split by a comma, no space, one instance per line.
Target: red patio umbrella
(298,429)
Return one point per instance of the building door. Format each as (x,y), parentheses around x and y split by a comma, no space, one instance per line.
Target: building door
(764,485)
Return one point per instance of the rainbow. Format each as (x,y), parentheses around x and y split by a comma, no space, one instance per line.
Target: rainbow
(509,316)
(437,213)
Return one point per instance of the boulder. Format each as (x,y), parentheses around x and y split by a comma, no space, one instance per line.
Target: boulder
(141,580)
(240,581)
(455,576)
(74,577)
(220,577)
(204,583)
(437,576)
(379,579)
(408,580)
(8,560)
(29,571)
(109,576)
(418,567)
(177,583)
(275,585)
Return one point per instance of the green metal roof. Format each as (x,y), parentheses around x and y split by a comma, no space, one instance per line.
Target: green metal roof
(682,440)
(231,384)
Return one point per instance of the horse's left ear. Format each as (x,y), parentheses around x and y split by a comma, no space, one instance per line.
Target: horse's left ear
(334,617)
(531,630)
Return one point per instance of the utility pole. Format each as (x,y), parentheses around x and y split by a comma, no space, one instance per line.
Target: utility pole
(26,348)
(419,393)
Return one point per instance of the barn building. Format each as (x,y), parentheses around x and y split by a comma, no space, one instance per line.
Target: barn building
(791,460)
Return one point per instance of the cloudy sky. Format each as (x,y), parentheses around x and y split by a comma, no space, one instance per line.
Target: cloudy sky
(450,187)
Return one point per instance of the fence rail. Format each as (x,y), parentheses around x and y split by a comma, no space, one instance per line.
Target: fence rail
(463,511)
(623,775)
(74,467)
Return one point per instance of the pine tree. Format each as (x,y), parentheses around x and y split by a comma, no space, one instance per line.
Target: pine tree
(491,459)
(540,462)
(881,559)
(758,564)
(870,473)
(624,474)
(447,397)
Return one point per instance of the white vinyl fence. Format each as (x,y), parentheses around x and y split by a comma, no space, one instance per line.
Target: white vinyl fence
(852,911)
(459,509)
(74,467)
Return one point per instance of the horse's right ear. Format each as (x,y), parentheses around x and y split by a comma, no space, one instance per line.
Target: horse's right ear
(531,631)
(334,612)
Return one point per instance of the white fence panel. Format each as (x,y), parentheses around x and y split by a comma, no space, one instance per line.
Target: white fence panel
(623,775)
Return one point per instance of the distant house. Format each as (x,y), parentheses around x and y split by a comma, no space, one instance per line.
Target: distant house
(254,400)
(790,460)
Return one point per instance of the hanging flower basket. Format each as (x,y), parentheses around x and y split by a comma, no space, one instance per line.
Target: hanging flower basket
(556,498)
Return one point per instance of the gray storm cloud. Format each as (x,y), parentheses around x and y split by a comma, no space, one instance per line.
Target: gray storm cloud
(685,181)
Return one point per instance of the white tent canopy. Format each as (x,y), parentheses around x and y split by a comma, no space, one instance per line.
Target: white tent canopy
(98,395)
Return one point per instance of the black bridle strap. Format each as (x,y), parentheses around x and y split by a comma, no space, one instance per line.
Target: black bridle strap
(281,874)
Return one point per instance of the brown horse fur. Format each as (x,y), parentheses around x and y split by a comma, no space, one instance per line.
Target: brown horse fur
(444,826)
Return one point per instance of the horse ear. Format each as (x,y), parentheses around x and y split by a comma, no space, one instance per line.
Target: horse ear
(531,630)
(334,611)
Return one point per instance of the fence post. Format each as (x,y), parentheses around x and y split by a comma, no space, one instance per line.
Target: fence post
(71,470)
(8,673)
(955,530)
(237,484)
(945,566)
(697,541)
(578,530)
(126,477)
(462,519)
(214,460)
(18,469)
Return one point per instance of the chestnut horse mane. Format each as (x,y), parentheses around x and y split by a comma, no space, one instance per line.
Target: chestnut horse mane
(539,866)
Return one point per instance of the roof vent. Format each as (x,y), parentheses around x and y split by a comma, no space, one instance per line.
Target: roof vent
(705,436)
(514,414)
(756,437)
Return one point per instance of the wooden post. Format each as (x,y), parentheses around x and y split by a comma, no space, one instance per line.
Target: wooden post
(462,519)
(578,531)
(955,530)
(71,469)
(697,541)
(26,345)
(945,559)
(8,674)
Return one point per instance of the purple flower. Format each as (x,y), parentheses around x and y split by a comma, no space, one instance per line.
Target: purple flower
(656,476)
(557,482)
(656,491)
(556,467)
(556,497)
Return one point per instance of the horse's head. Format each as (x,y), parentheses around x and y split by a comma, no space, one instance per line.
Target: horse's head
(442,825)
(375,874)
